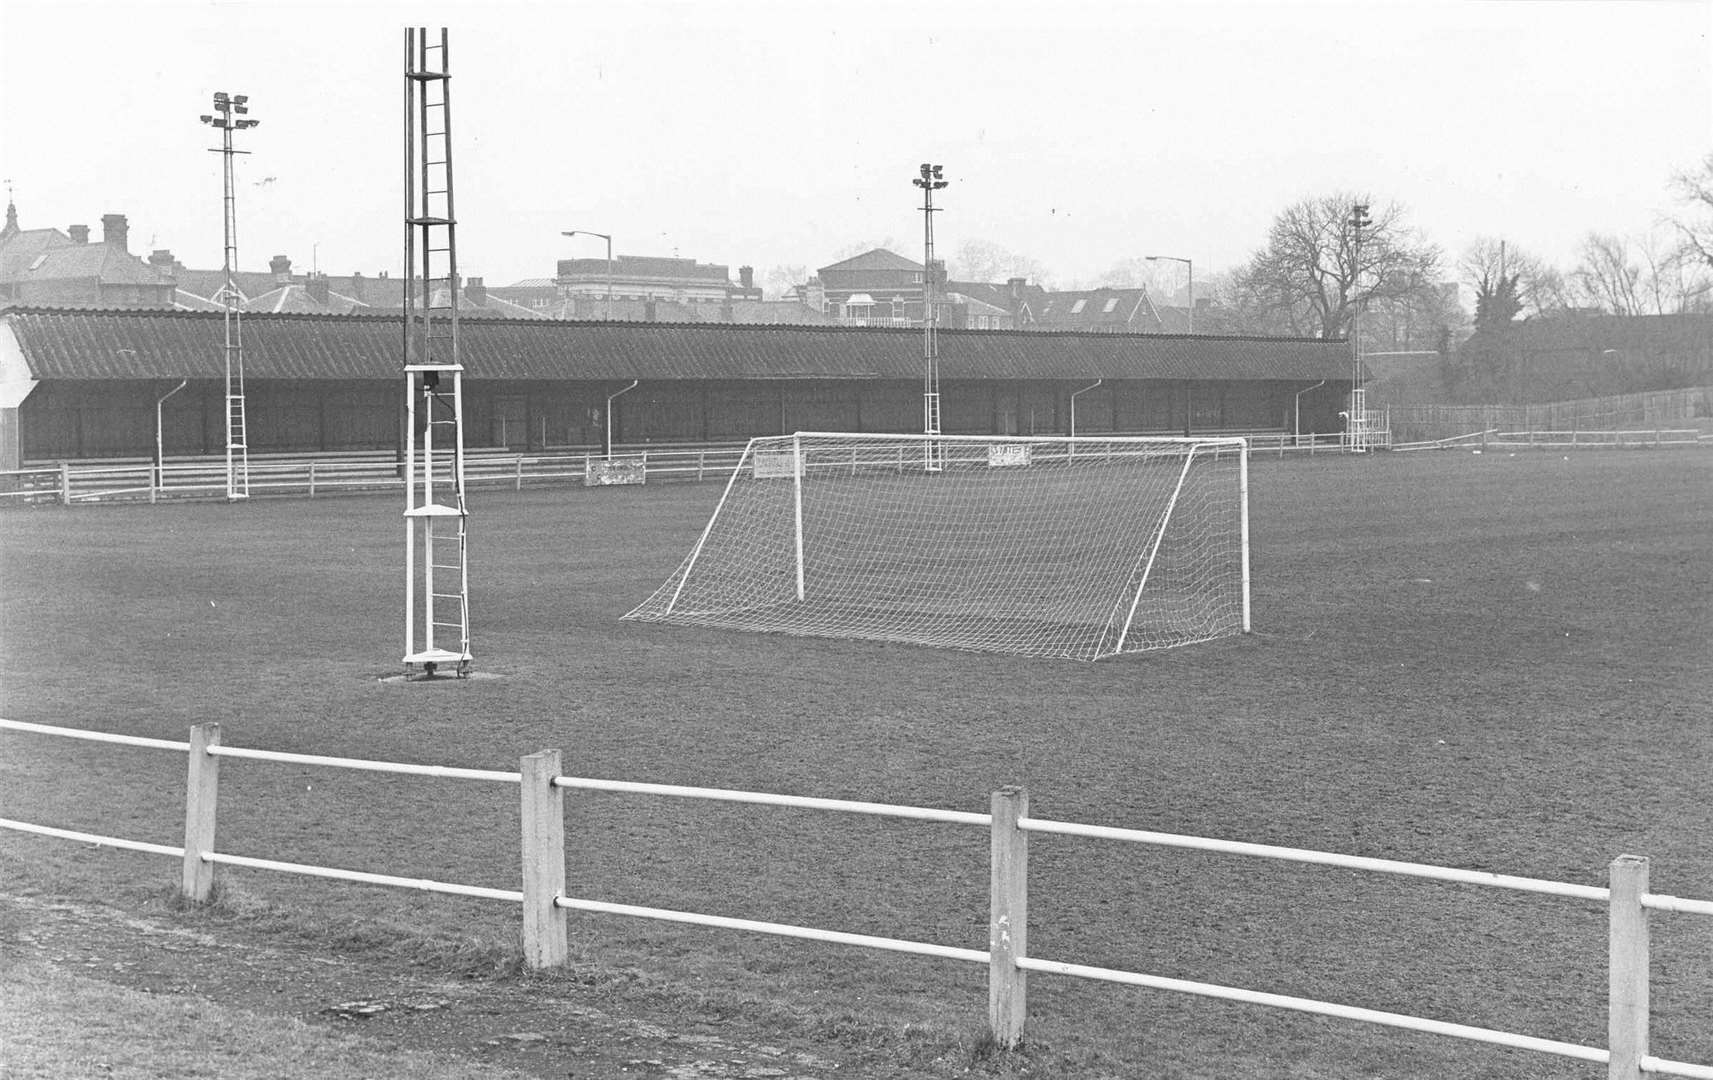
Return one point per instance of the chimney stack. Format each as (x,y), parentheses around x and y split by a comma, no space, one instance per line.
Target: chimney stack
(163,262)
(79,234)
(318,289)
(115,233)
(746,277)
(281,269)
(357,287)
(476,292)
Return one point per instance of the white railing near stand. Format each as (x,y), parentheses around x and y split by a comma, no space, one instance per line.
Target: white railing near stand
(543,894)
(69,484)
(1494,439)
(297,476)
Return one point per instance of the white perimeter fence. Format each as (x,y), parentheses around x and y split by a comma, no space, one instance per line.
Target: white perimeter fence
(1494,439)
(298,476)
(544,902)
(1653,410)
(141,480)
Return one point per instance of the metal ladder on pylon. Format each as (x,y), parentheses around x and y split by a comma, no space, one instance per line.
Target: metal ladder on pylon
(237,441)
(437,594)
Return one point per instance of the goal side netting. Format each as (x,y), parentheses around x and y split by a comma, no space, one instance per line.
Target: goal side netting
(1060,547)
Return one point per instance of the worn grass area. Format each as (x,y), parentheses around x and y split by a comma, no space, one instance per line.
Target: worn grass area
(1497,662)
(55,1025)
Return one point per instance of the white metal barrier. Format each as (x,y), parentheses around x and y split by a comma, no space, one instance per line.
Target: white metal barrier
(1493,439)
(298,476)
(542,786)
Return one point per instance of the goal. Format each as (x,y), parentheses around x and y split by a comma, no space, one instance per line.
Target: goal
(1042,546)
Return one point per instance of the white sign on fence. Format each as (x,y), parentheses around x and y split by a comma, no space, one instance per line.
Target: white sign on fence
(601,473)
(1006,455)
(771,465)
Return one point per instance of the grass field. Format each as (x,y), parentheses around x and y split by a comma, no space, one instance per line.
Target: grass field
(1500,662)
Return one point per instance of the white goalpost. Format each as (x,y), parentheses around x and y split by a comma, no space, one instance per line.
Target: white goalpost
(1043,546)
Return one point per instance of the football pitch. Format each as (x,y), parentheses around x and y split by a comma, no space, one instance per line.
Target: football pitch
(1497,662)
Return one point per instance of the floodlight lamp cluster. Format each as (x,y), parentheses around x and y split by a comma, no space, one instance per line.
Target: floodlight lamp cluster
(228,107)
(1359,218)
(931,178)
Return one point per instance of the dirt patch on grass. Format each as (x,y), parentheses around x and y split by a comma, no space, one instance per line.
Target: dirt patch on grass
(536,1026)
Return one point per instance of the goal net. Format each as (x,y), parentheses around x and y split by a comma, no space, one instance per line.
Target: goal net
(1043,546)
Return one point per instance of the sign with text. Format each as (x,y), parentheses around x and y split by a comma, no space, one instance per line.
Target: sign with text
(606,472)
(772,464)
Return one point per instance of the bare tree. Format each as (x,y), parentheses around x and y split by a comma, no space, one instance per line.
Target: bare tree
(851,251)
(1694,188)
(1318,270)
(1606,276)
(1639,277)
(1508,282)
(780,280)
(983,260)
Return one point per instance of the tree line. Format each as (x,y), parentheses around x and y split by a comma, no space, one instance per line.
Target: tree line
(1344,263)
(1327,270)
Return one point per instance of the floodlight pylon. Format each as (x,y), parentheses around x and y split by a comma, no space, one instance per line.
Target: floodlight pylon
(437,594)
(229,115)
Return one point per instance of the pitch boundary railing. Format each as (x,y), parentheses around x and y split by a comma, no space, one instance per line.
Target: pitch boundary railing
(1494,439)
(543,784)
(68,483)
(363,472)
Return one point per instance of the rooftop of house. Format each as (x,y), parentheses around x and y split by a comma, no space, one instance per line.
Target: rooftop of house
(875,259)
(648,267)
(1099,309)
(43,255)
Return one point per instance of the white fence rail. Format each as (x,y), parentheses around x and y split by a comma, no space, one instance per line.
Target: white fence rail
(296,476)
(1494,439)
(544,902)
(1653,409)
(69,483)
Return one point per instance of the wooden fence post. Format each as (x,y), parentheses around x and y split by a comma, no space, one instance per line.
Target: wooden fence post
(1008,924)
(201,792)
(1627,1002)
(543,861)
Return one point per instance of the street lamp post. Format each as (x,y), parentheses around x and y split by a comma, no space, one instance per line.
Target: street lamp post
(609,240)
(1190,270)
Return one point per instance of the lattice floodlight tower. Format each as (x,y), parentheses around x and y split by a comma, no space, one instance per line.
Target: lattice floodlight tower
(229,115)
(1060,547)
(437,593)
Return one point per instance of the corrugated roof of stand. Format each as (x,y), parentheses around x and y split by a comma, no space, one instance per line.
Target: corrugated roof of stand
(60,343)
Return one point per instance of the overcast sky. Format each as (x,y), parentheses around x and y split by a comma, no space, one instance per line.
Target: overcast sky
(1079,134)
